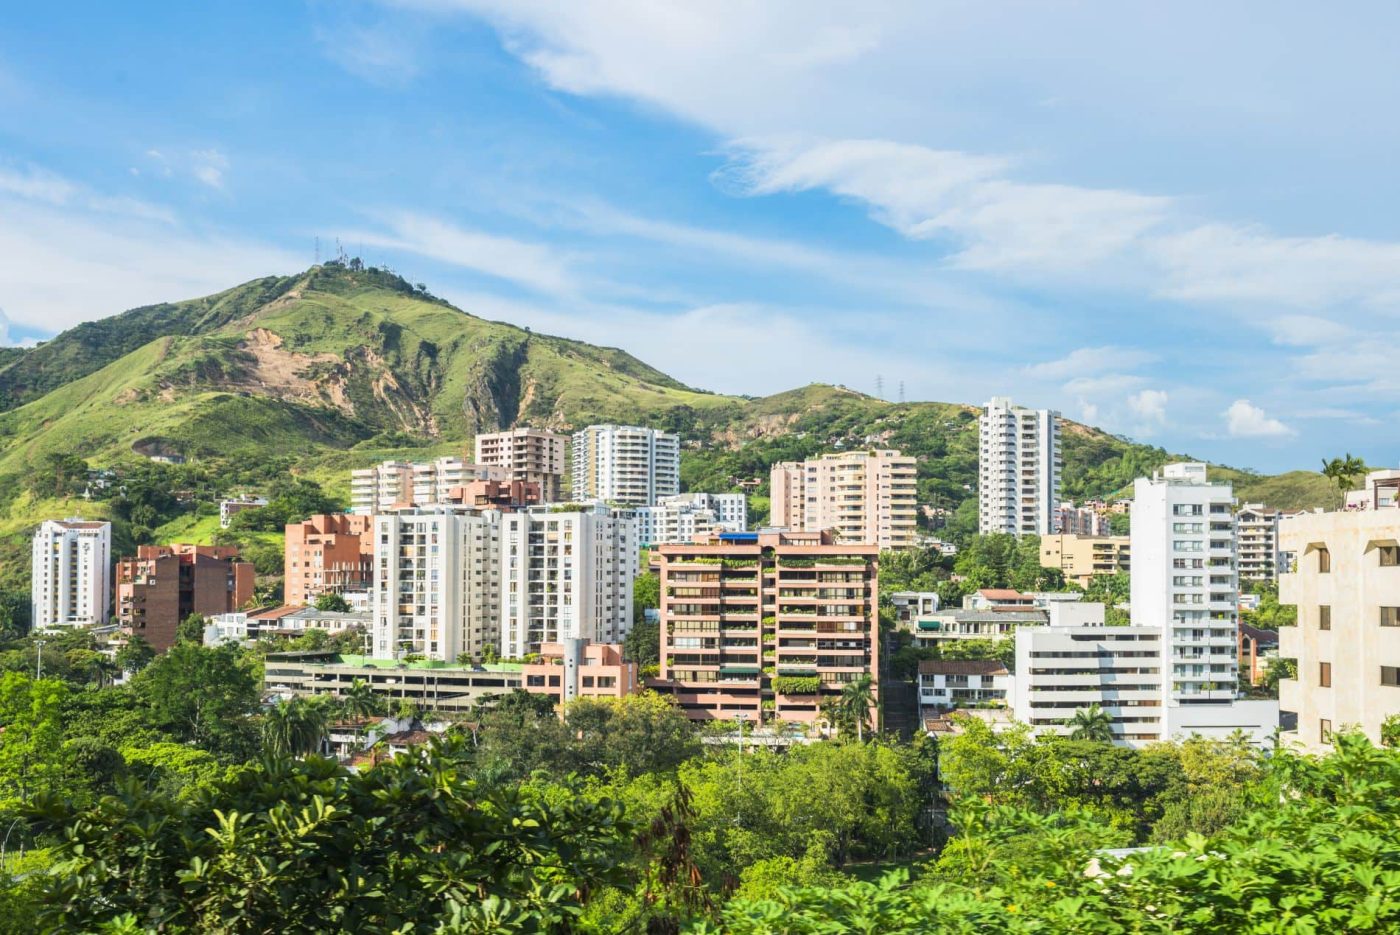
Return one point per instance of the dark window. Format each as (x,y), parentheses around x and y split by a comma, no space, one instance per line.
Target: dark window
(1324,561)
(1324,616)
(1324,674)
(1390,616)
(1390,555)
(1390,675)
(1324,730)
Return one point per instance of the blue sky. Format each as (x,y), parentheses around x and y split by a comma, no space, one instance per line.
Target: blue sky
(1175,221)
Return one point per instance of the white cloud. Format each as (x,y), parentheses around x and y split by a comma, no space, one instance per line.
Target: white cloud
(209,166)
(536,266)
(379,53)
(1150,406)
(1089,360)
(1245,420)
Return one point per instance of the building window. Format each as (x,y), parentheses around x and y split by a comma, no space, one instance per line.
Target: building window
(1324,561)
(1390,616)
(1390,675)
(1324,730)
(1324,616)
(1324,674)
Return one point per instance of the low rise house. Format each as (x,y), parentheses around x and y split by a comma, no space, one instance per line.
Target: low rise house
(961,683)
(576,668)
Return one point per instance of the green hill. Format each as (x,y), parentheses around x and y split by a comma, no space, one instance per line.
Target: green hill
(340,366)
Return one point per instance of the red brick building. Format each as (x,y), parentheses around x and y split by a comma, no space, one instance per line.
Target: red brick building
(164,584)
(329,553)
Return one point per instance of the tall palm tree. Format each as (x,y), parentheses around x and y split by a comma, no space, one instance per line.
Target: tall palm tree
(1091,723)
(359,700)
(856,700)
(294,728)
(1343,472)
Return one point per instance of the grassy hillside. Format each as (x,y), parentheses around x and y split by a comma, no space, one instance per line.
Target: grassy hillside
(339,367)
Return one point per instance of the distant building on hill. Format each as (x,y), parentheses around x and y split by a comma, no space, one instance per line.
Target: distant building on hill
(1018,469)
(529,456)
(625,464)
(859,496)
(71,574)
(1083,558)
(231,507)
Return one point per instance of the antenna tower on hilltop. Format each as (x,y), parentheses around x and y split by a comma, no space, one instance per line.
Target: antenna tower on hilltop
(879,386)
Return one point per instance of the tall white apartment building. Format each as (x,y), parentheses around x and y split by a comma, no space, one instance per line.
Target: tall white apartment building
(1345,581)
(566,574)
(863,497)
(1184,583)
(394,484)
(1018,469)
(690,517)
(533,456)
(436,589)
(625,464)
(1256,536)
(71,574)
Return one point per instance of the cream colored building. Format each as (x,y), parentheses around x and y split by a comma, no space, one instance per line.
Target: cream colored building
(861,496)
(534,456)
(1346,585)
(1081,558)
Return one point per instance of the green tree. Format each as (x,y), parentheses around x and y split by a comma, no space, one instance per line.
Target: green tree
(32,755)
(857,698)
(646,595)
(202,695)
(15,610)
(1343,472)
(294,728)
(1091,723)
(135,655)
(359,700)
(191,629)
(332,602)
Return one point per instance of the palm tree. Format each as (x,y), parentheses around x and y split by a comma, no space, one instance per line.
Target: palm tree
(856,699)
(1343,472)
(1091,723)
(359,700)
(294,728)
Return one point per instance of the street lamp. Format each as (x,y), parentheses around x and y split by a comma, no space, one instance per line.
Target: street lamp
(39,660)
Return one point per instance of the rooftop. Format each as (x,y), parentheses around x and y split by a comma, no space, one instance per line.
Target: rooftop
(962,667)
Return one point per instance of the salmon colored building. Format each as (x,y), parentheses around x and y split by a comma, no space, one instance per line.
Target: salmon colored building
(577,668)
(767,625)
(327,553)
(164,584)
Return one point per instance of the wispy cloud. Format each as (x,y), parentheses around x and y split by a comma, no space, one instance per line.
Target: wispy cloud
(1086,361)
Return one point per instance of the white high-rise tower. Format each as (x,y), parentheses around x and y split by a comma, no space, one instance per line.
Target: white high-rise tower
(1018,469)
(71,584)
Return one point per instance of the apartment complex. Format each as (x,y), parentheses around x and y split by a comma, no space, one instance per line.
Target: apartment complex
(566,573)
(625,464)
(530,456)
(1081,521)
(1064,669)
(164,584)
(1082,558)
(436,590)
(393,484)
(1346,586)
(71,568)
(687,517)
(1256,535)
(327,554)
(1018,469)
(860,496)
(1184,583)
(766,625)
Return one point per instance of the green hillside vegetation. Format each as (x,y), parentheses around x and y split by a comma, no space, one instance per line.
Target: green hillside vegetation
(342,366)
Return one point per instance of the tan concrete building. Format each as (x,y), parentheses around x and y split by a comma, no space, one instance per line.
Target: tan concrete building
(164,584)
(1346,585)
(767,625)
(1083,557)
(531,456)
(576,668)
(861,496)
(329,553)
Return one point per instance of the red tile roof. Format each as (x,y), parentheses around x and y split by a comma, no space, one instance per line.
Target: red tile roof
(962,667)
(1003,594)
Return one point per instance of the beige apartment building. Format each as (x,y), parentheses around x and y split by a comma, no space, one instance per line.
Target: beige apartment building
(531,456)
(766,626)
(1081,558)
(1346,585)
(861,496)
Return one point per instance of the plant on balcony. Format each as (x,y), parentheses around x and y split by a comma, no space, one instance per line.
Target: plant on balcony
(770,620)
(796,684)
